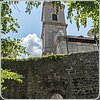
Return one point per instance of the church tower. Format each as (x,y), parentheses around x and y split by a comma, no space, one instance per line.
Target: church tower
(52,23)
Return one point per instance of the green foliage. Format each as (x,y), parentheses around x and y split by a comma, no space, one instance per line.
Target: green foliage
(8,23)
(84,10)
(58,5)
(9,47)
(47,57)
(30,5)
(8,75)
(24,64)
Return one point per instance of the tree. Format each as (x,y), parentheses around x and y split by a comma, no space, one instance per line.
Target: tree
(31,4)
(12,48)
(84,10)
(8,23)
(8,75)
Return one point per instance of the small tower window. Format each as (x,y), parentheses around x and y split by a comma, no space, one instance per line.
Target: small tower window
(54,17)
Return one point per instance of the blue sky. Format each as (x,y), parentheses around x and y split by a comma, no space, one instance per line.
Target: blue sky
(31,23)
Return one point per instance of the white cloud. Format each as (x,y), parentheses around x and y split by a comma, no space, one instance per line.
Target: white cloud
(33,45)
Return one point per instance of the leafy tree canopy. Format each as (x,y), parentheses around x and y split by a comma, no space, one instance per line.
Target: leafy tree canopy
(10,47)
(9,23)
(84,10)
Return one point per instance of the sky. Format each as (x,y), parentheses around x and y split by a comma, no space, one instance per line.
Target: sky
(31,28)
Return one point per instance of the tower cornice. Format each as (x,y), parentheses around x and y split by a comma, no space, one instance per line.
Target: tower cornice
(54,23)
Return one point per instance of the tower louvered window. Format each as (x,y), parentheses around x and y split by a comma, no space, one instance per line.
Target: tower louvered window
(54,17)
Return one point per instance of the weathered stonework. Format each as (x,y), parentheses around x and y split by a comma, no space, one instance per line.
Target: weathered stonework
(53,43)
(74,76)
(51,27)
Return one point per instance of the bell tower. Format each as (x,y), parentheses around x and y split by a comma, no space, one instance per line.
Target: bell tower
(52,23)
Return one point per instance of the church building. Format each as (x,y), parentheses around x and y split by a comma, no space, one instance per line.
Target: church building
(56,40)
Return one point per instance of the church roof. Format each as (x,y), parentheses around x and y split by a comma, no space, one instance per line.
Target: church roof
(80,39)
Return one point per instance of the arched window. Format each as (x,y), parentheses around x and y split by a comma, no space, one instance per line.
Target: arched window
(56,96)
(54,17)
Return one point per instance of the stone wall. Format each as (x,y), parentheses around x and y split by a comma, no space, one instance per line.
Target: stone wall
(74,76)
(64,47)
(49,32)
(81,47)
